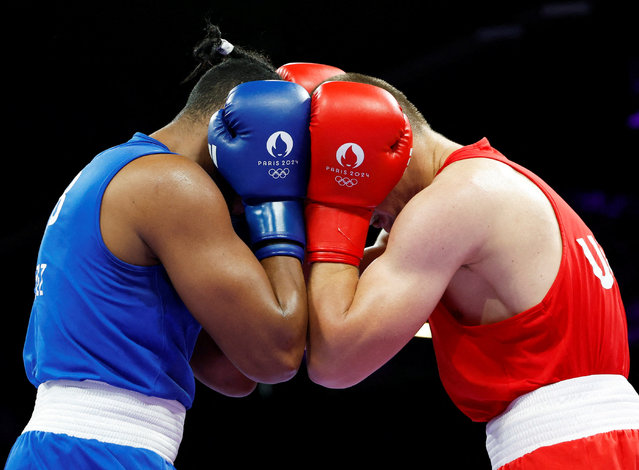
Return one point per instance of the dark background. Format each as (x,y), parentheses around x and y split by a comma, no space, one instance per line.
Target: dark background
(553,85)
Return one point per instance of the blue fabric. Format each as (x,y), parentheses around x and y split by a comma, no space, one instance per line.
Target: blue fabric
(97,317)
(37,450)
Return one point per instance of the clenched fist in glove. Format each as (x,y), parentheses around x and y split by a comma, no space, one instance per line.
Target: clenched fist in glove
(360,146)
(259,142)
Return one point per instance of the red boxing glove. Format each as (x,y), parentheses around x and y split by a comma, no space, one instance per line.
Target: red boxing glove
(307,74)
(360,146)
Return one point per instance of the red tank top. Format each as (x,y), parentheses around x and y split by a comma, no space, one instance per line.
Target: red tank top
(578,329)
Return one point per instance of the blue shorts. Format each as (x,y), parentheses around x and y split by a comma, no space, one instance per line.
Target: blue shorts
(45,450)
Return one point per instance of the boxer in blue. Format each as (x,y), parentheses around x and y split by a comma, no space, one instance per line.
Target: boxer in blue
(143,284)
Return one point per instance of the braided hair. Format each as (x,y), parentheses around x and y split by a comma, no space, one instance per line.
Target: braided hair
(222,66)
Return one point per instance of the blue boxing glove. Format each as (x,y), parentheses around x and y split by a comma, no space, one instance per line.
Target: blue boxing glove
(260,143)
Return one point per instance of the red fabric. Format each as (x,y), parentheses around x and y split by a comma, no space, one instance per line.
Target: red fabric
(578,329)
(615,450)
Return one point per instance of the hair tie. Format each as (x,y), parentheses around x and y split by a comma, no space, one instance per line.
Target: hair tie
(225,48)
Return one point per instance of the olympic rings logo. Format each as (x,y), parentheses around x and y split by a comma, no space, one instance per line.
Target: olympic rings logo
(345,181)
(278,173)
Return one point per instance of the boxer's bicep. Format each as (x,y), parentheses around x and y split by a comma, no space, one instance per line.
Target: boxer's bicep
(401,288)
(358,324)
(349,340)
(431,239)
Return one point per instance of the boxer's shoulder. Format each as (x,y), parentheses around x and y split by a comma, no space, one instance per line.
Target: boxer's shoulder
(149,194)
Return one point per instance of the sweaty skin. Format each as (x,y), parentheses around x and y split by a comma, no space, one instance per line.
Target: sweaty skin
(479,236)
(167,209)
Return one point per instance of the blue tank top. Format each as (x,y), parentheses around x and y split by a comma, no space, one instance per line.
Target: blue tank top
(96,317)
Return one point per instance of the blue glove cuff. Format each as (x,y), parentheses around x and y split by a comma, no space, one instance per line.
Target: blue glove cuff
(277,228)
(280,249)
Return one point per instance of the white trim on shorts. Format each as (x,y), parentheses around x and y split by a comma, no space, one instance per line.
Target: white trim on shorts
(95,410)
(561,412)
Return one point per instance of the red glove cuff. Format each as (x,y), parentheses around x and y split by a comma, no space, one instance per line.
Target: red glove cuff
(336,234)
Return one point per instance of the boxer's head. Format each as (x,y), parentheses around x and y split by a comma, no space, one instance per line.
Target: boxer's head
(221,67)
(385,213)
(415,117)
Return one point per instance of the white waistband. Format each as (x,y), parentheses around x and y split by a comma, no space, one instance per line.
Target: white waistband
(95,410)
(564,411)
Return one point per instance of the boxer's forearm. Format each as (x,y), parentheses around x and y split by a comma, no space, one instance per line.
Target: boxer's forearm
(331,289)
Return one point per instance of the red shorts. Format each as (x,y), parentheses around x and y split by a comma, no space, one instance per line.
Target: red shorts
(587,422)
(614,450)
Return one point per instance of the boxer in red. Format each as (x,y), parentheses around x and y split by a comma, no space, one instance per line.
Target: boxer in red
(528,324)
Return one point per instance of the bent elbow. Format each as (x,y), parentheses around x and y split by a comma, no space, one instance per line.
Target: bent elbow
(277,354)
(275,372)
(244,392)
(328,374)
(279,366)
(285,373)
(238,390)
